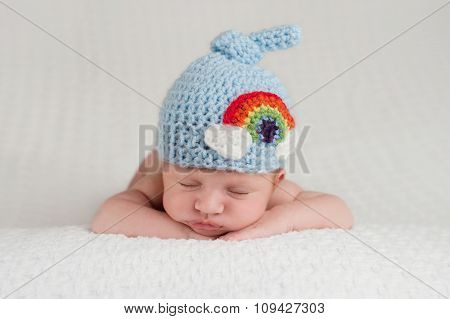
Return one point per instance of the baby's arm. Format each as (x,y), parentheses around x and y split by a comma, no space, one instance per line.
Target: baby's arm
(310,209)
(128,213)
(292,209)
(138,212)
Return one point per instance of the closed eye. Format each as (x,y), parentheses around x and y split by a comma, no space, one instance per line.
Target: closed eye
(238,192)
(188,185)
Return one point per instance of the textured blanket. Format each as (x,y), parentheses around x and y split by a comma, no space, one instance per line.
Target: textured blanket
(367,262)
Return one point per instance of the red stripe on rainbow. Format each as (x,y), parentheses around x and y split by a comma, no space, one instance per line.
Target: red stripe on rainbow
(238,110)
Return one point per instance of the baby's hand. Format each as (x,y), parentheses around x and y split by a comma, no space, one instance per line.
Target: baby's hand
(194,235)
(275,221)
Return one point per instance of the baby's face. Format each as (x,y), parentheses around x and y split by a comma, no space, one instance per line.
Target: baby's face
(214,202)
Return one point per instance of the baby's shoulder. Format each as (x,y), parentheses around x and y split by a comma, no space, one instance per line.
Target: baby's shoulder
(148,180)
(151,185)
(284,192)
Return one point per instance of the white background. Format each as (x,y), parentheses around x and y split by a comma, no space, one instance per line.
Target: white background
(379,137)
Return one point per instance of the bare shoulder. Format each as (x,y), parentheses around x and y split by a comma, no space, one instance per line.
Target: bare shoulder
(285,192)
(149,183)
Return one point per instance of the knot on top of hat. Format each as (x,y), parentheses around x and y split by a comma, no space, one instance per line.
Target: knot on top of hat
(249,49)
(237,46)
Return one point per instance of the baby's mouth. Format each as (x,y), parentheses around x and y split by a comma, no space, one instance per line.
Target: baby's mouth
(204,226)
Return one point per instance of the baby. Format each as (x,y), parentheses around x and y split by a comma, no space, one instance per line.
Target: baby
(217,173)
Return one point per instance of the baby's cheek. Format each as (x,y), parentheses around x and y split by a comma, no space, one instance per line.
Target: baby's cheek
(170,202)
(177,205)
(247,213)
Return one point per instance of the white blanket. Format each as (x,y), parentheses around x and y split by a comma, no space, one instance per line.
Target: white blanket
(308,264)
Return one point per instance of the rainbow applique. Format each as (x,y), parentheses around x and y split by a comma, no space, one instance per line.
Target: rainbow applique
(263,114)
(255,117)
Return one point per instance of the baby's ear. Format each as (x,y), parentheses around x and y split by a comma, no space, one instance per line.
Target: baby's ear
(279,176)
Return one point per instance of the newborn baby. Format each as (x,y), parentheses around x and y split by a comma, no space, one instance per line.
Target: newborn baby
(225,131)
(177,202)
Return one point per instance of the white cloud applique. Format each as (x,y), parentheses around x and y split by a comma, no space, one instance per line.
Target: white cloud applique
(229,141)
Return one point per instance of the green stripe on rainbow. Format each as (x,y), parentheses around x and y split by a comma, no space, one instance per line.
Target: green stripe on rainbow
(254,123)
(263,114)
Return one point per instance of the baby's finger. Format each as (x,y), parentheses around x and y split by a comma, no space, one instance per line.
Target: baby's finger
(244,234)
(230,236)
(225,237)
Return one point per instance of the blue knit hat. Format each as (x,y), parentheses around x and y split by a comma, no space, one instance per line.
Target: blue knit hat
(225,112)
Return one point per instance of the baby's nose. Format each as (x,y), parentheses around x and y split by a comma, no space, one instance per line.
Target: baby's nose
(209,206)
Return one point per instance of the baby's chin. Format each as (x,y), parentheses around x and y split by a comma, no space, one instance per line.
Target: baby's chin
(210,233)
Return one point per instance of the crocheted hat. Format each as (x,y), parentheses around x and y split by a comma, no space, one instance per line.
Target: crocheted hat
(225,112)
